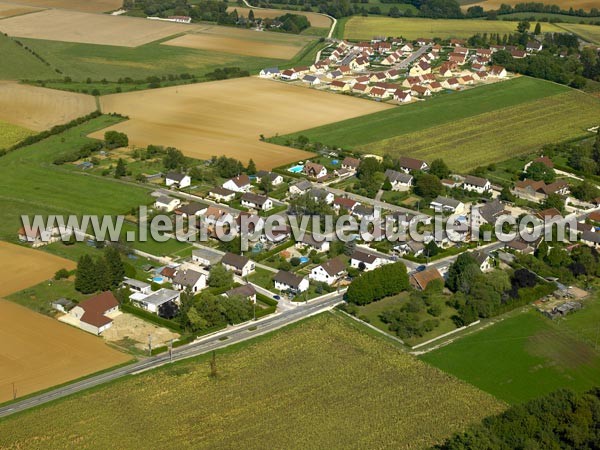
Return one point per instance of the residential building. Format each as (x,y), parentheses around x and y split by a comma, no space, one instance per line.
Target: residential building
(314,170)
(95,314)
(206,257)
(221,194)
(400,181)
(241,183)
(167,204)
(351,163)
(344,203)
(447,205)
(420,280)
(189,280)
(273,177)
(300,188)
(164,302)
(137,286)
(476,184)
(410,164)
(318,194)
(238,264)
(255,201)
(483,259)
(246,290)
(308,240)
(329,272)
(364,261)
(289,282)
(271,72)
(179,180)
(192,209)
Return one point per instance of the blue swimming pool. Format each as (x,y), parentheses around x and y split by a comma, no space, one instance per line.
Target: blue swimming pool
(303,260)
(158,280)
(335,162)
(296,169)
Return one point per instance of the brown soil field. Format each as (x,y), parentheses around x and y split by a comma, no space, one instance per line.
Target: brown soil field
(11,9)
(80,27)
(564,4)
(316,20)
(39,352)
(238,41)
(227,117)
(24,267)
(76,5)
(38,108)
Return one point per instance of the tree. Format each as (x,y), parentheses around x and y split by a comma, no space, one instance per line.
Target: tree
(121,169)
(85,276)
(116,268)
(115,139)
(428,186)
(61,274)
(538,29)
(387,185)
(523,26)
(219,277)
(251,16)
(539,171)
(251,169)
(461,273)
(554,201)
(103,280)
(506,195)
(173,159)
(439,169)
(265,184)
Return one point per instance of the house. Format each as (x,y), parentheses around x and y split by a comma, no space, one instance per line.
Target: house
(410,164)
(255,201)
(378,92)
(435,86)
(476,184)
(192,209)
(457,42)
(329,272)
(457,58)
(164,302)
(318,194)
(402,97)
(591,239)
(411,247)
(365,212)
(421,91)
(497,72)
(447,205)
(420,280)
(221,194)
(289,75)
(447,68)
(300,188)
(179,180)
(311,80)
(241,183)
(273,177)
(519,246)
(289,282)
(364,261)
(165,203)
(549,214)
(483,52)
(351,163)
(420,68)
(407,48)
(37,237)
(94,314)
(216,216)
(308,240)
(534,46)
(378,77)
(344,203)
(539,190)
(461,50)
(206,257)
(238,264)
(424,41)
(314,170)
(189,280)
(137,286)
(271,72)
(483,259)
(337,85)
(167,273)
(478,67)
(518,54)
(246,291)
(400,181)
(488,213)
(360,88)
(63,305)
(467,79)
(393,74)
(451,83)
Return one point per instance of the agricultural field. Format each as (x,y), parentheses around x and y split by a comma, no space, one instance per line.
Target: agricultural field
(76,5)
(590,33)
(482,114)
(521,358)
(11,134)
(316,20)
(339,386)
(564,4)
(38,108)
(242,42)
(31,184)
(11,9)
(17,63)
(546,16)
(227,117)
(413,28)
(73,26)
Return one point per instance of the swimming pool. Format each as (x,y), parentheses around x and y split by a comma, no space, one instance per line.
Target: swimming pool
(296,169)
(303,260)
(158,280)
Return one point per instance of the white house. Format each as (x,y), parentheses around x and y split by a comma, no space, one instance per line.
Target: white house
(314,170)
(320,245)
(157,302)
(329,272)
(447,205)
(410,164)
(289,282)
(206,257)
(300,188)
(241,183)
(165,203)
(318,194)
(311,80)
(94,314)
(400,181)
(402,97)
(484,260)
(273,177)
(364,261)
(221,194)
(271,72)
(476,184)
(238,264)
(137,286)
(179,180)
(497,72)
(189,279)
(351,163)
(255,201)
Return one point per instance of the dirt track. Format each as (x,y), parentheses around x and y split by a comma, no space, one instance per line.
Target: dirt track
(227,117)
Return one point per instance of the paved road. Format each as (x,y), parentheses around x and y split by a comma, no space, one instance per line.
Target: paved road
(199,347)
(366,200)
(414,56)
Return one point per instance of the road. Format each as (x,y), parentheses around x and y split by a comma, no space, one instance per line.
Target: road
(413,57)
(201,346)
(367,200)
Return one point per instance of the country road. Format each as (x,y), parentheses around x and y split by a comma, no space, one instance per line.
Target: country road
(201,346)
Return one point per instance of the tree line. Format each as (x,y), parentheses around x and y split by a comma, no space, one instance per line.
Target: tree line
(385,281)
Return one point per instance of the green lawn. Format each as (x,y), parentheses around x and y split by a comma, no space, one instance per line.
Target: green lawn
(550,16)
(30,184)
(17,63)
(40,297)
(522,357)
(262,277)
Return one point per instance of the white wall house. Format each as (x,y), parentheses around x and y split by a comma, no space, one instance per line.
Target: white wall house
(328,272)
(179,180)
(289,282)
(168,204)
(477,184)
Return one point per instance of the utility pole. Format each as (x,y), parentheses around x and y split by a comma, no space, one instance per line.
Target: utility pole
(171,351)
(14,391)
(149,344)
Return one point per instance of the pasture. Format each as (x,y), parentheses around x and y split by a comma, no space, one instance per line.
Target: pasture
(18,63)
(228,117)
(521,358)
(80,27)
(590,33)
(242,42)
(321,383)
(92,6)
(11,9)
(11,134)
(316,20)
(367,27)
(38,108)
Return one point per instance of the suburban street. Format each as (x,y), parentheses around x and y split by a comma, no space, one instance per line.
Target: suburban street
(201,346)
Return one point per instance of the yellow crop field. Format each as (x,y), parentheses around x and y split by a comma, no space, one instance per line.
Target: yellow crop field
(590,33)
(316,20)
(322,383)
(11,134)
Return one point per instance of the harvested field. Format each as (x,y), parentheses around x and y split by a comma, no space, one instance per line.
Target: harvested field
(24,267)
(73,26)
(323,383)
(76,5)
(11,9)
(227,117)
(38,108)
(316,20)
(38,352)
(564,4)
(367,27)
(242,42)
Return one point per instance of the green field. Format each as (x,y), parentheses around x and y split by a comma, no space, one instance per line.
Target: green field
(11,134)
(30,184)
(469,128)
(590,33)
(413,28)
(17,63)
(323,383)
(548,16)
(521,358)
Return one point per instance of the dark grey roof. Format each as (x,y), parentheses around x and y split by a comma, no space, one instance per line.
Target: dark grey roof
(288,278)
(397,177)
(237,261)
(255,199)
(191,208)
(303,185)
(176,176)
(445,201)
(246,290)
(475,181)
(367,258)
(224,192)
(210,255)
(591,236)
(363,210)
(187,278)
(491,210)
